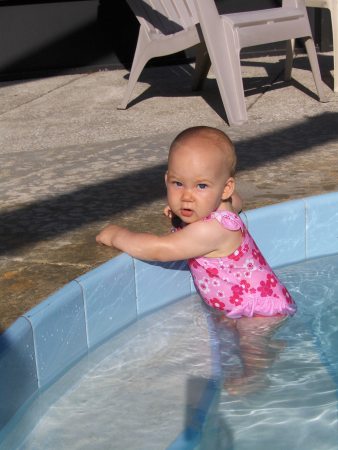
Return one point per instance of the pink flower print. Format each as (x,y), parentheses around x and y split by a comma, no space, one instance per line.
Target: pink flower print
(237,255)
(216,303)
(212,272)
(246,248)
(215,282)
(195,265)
(245,285)
(262,260)
(231,268)
(255,253)
(272,280)
(249,264)
(220,294)
(203,286)
(236,298)
(264,289)
(287,296)
(237,290)
(258,255)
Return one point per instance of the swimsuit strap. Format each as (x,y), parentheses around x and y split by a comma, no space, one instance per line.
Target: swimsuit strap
(227,219)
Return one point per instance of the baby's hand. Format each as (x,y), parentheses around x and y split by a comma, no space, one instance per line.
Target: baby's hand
(107,235)
(176,222)
(168,212)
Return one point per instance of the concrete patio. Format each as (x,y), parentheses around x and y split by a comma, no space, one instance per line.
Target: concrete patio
(71,162)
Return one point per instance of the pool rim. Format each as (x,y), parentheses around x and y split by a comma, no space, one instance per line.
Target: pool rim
(49,339)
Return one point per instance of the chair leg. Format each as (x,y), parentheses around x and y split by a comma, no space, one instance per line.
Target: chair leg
(202,67)
(226,63)
(311,51)
(227,68)
(334,18)
(142,55)
(220,40)
(290,53)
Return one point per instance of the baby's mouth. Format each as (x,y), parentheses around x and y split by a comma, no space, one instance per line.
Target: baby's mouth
(186,212)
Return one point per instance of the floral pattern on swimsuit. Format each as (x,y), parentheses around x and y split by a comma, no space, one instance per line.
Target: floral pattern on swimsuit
(243,283)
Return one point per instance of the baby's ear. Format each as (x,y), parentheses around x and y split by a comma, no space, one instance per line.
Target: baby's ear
(229,188)
(166,177)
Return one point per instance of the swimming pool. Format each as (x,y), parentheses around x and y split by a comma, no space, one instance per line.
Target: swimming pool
(296,406)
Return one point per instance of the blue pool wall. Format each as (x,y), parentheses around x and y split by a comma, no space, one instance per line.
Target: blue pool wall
(46,341)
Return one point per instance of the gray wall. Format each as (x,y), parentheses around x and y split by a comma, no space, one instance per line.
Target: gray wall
(64,35)
(43,37)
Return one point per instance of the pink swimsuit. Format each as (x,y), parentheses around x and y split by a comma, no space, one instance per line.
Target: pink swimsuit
(241,284)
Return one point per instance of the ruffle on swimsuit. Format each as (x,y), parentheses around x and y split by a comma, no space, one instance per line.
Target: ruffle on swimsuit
(243,283)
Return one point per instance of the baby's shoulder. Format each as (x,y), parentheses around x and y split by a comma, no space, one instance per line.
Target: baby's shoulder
(205,231)
(228,220)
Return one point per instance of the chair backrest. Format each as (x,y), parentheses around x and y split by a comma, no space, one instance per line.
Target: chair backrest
(164,16)
(294,4)
(258,27)
(319,3)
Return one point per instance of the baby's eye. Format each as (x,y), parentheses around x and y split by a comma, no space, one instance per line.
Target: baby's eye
(202,186)
(177,183)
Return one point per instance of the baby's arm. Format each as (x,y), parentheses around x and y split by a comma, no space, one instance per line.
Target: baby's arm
(194,240)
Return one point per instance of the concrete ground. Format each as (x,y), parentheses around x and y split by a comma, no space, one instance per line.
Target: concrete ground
(71,162)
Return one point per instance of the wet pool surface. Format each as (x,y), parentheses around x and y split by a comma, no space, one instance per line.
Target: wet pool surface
(275,390)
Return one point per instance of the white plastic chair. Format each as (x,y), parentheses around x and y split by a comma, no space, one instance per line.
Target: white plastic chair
(332,5)
(225,35)
(168,26)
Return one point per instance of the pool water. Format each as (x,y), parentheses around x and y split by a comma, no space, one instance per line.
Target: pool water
(144,386)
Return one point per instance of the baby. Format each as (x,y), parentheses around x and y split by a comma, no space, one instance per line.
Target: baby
(228,269)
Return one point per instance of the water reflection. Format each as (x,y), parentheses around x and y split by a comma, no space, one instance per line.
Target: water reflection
(247,349)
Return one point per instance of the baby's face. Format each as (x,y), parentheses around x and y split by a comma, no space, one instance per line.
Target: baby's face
(196,179)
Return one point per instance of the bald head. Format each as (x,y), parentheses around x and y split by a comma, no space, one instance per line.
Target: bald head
(213,139)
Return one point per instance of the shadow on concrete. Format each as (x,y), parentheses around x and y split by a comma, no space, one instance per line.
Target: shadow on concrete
(106,200)
(181,78)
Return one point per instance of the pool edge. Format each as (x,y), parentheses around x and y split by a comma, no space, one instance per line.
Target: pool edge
(66,325)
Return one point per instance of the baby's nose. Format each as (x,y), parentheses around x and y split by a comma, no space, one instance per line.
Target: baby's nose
(187,195)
